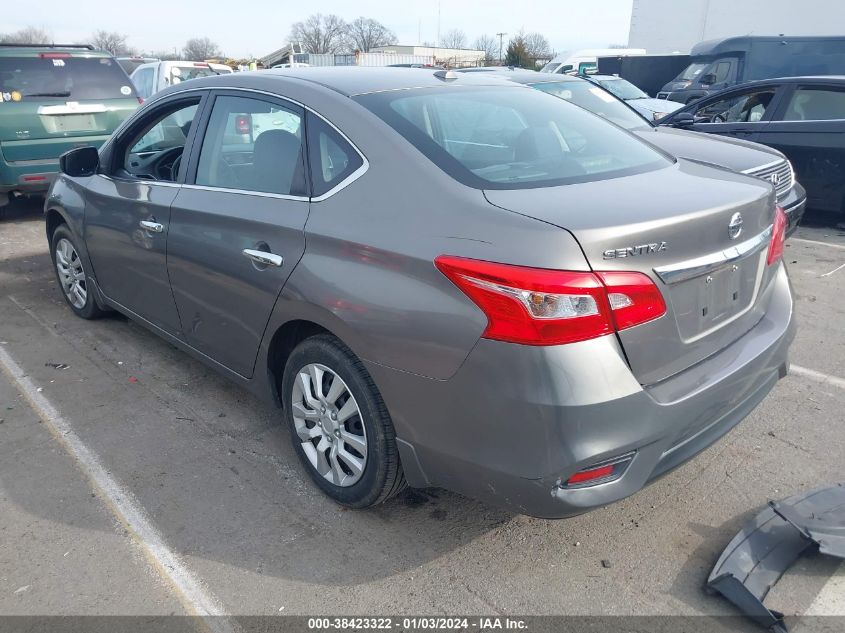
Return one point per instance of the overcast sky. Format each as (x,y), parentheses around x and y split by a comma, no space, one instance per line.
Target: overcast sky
(258,27)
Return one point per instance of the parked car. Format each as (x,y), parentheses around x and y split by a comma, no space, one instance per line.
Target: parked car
(53,98)
(155,76)
(585,60)
(741,156)
(442,279)
(651,109)
(803,117)
(720,64)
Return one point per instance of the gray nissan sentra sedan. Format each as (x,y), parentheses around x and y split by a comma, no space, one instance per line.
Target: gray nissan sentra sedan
(455,282)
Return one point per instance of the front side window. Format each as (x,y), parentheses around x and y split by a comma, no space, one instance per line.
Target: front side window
(332,158)
(65,77)
(154,152)
(596,100)
(816,104)
(511,138)
(252,145)
(746,108)
(722,72)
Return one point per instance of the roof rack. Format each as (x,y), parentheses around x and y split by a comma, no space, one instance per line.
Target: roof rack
(89,47)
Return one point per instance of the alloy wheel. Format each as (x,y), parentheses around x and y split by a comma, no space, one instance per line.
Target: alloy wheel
(71,274)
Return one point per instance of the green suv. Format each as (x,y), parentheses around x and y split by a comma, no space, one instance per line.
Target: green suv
(52,99)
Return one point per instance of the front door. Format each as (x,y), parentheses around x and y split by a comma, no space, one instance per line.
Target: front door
(128,212)
(237,226)
(740,114)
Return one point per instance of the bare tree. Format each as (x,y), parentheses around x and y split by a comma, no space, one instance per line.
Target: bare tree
(320,33)
(454,38)
(537,46)
(365,34)
(111,41)
(198,49)
(28,35)
(490,45)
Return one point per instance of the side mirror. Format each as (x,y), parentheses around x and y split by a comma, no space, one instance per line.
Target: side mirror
(683,119)
(80,162)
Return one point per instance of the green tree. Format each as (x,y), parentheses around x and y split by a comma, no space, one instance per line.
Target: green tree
(517,54)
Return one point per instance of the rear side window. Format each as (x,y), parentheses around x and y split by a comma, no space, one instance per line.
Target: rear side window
(512,138)
(816,104)
(252,145)
(68,78)
(332,158)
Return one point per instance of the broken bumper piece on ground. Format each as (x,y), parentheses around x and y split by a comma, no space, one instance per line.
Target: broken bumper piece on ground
(765,548)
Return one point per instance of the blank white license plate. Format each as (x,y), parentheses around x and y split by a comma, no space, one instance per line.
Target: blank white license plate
(72,123)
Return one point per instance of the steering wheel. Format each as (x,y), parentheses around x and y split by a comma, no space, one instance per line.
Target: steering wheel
(719,118)
(174,168)
(163,165)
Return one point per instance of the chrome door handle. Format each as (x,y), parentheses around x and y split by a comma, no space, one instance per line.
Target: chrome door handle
(263,257)
(153,227)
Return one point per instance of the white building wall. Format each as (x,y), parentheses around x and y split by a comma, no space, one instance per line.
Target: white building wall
(666,26)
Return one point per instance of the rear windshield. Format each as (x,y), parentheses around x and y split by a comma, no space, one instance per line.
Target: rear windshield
(511,138)
(596,100)
(69,78)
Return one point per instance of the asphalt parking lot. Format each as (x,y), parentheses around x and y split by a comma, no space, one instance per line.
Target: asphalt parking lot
(227,522)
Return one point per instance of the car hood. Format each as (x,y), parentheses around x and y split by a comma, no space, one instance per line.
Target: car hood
(731,153)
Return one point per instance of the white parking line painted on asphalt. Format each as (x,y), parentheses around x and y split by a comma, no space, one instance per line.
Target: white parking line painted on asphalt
(817,375)
(801,240)
(831,599)
(190,591)
(838,268)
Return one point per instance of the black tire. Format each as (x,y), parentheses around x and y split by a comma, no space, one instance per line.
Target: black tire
(90,309)
(382,475)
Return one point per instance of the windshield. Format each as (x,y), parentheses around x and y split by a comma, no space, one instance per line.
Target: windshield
(67,78)
(179,74)
(511,138)
(550,67)
(596,100)
(623,89)
(692,71)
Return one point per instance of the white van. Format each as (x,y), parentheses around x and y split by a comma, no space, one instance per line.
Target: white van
(586,60)
(150,78)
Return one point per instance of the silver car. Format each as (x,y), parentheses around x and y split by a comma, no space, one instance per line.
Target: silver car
(441,280)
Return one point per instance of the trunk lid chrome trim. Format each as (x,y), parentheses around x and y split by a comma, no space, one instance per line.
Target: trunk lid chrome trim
(692,268)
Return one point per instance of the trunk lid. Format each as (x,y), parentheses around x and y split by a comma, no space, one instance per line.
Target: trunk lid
(673,225)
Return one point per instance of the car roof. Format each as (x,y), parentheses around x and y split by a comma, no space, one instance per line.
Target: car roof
(791,80)
(356,80)
(523,76)
(34,50)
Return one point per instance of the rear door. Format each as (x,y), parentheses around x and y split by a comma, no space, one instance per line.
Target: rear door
(809,127)
(742,113)
(51,102)
(237,226)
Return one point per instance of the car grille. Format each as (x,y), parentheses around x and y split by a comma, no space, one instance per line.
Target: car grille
(779,174)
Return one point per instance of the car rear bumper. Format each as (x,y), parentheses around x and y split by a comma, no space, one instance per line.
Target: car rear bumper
(514,421)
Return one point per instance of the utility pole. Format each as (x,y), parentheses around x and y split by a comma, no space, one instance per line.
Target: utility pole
(501,39)
(438,24)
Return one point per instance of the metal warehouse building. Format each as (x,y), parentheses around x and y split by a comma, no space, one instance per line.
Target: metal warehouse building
(666,26)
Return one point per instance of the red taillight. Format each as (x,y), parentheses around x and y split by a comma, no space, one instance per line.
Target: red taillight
(633,297)
(201,65)
(536,306)
(592,474)
(243,124)
(54,55)
(34,178)
(778,236)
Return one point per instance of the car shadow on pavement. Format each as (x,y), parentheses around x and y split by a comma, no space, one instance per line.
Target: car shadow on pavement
(212,466)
